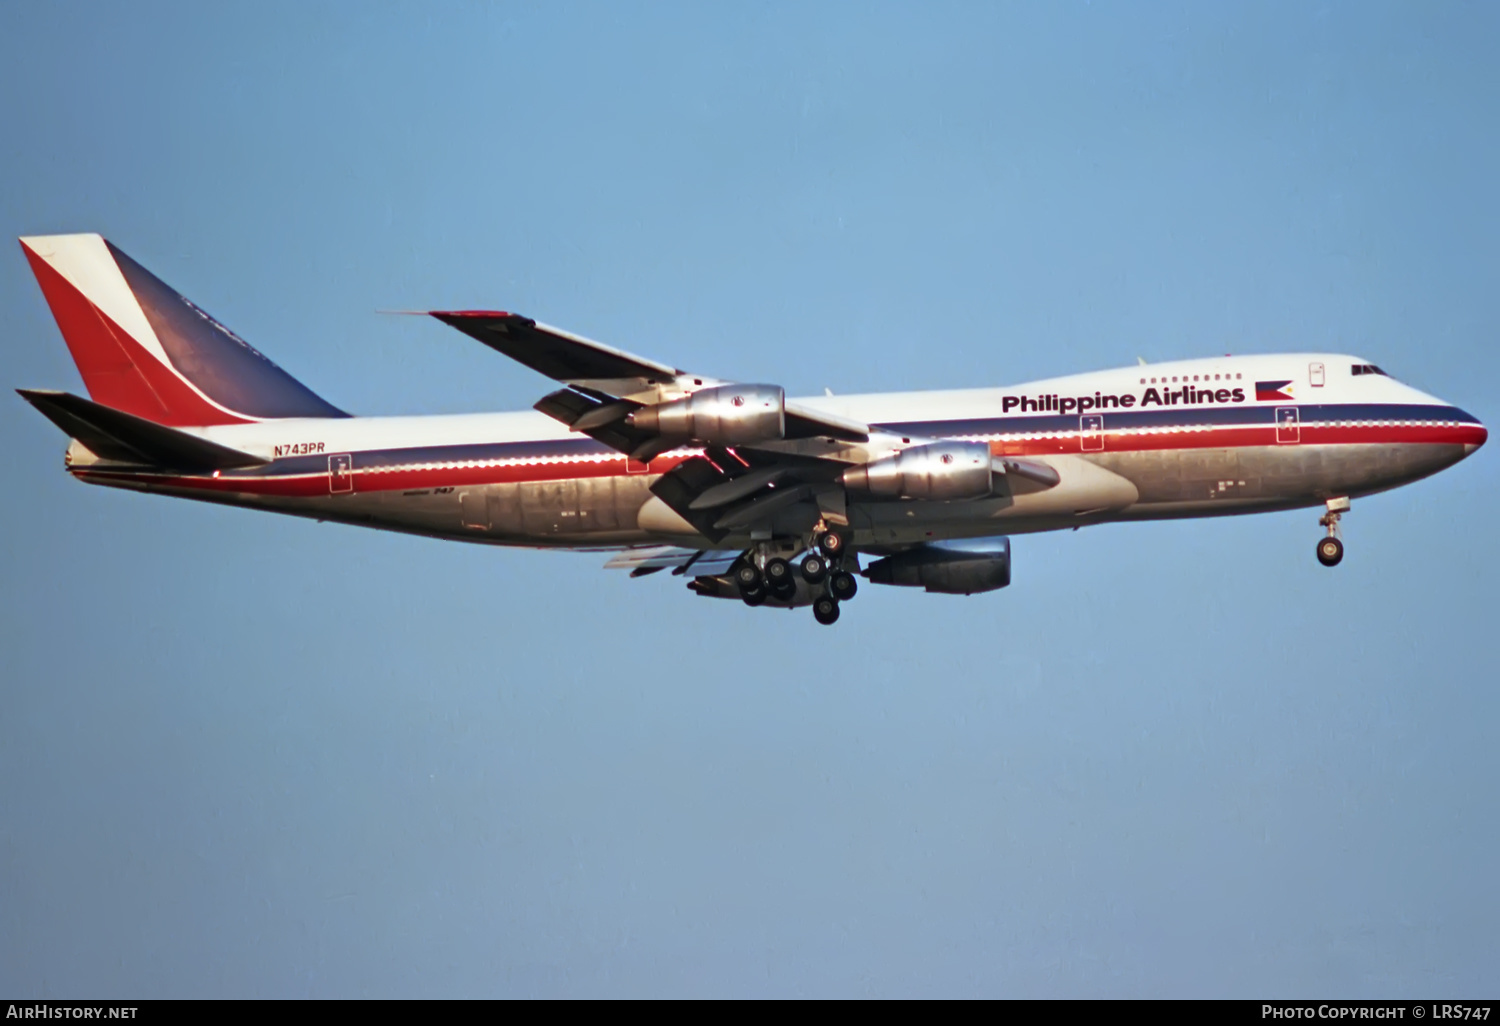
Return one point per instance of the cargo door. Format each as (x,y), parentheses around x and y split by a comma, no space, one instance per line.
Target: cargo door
(474,511)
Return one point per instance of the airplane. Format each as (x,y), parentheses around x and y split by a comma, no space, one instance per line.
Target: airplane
(746,493)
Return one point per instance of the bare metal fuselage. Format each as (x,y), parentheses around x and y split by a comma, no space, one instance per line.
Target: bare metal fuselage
(520,479)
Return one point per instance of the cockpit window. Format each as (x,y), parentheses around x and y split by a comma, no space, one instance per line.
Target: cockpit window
(1368,368)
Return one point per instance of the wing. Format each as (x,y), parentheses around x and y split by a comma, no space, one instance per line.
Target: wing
(725,486)
(608,384)
(561,355)
(754,463)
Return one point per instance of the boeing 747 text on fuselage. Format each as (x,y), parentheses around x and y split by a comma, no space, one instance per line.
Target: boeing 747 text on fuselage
(747,494)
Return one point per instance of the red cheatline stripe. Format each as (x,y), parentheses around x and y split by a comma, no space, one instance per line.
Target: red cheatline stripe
(407,479)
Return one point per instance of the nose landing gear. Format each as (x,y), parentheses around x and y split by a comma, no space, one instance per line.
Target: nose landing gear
(1331,549)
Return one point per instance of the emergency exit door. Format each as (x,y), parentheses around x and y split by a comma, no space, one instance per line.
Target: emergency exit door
(1288,426)
(340,474)
(1091,432)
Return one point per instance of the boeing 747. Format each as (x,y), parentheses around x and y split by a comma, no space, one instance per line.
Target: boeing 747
(742,491)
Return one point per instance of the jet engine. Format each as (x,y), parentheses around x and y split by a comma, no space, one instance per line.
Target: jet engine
(723,415)
(949,567)
(943,470)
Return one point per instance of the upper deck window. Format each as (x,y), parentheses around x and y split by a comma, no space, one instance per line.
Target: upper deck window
(1368,368)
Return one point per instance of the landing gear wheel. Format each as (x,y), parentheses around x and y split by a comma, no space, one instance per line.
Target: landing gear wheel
(831,543)
(842,586)
(778,574)
(785,592)
(1331,549)
(754,598)
(814,569)
(826,611)
(747,577)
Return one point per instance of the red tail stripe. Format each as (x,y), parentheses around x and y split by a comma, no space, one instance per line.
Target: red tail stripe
(116,370)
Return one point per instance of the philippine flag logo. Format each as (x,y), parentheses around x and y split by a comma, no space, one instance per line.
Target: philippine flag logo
(1272,391)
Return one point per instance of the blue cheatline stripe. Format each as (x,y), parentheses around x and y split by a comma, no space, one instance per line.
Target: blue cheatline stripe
(373,459)
(1179,417)
(1182,417)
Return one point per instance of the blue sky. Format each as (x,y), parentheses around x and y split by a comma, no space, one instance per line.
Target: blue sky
(243,755)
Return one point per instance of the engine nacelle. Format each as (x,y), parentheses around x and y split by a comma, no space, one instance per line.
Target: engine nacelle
(943,470)
(950,567)
(723,415)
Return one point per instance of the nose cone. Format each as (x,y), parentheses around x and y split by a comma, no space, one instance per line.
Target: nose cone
(1477,434)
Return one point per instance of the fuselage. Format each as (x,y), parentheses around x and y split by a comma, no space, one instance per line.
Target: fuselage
(1204,437)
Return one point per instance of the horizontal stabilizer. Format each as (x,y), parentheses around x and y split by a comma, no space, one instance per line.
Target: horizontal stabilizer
(115,435)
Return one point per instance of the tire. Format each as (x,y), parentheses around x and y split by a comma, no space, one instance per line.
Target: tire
(754,598)
(1330,551)
(843,586)
(784,592)
(826,611)
(778,575)
(747,577)
(814,569)
(831,543)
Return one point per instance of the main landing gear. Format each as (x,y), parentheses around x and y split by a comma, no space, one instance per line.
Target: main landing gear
(814,569)
(1331,549)
(820,574)
(779,580)
(817,569)
(842,586)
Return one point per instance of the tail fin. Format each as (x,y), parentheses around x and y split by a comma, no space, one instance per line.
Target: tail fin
(145,349)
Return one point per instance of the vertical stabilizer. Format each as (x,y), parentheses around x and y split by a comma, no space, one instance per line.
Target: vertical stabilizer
(147,350)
